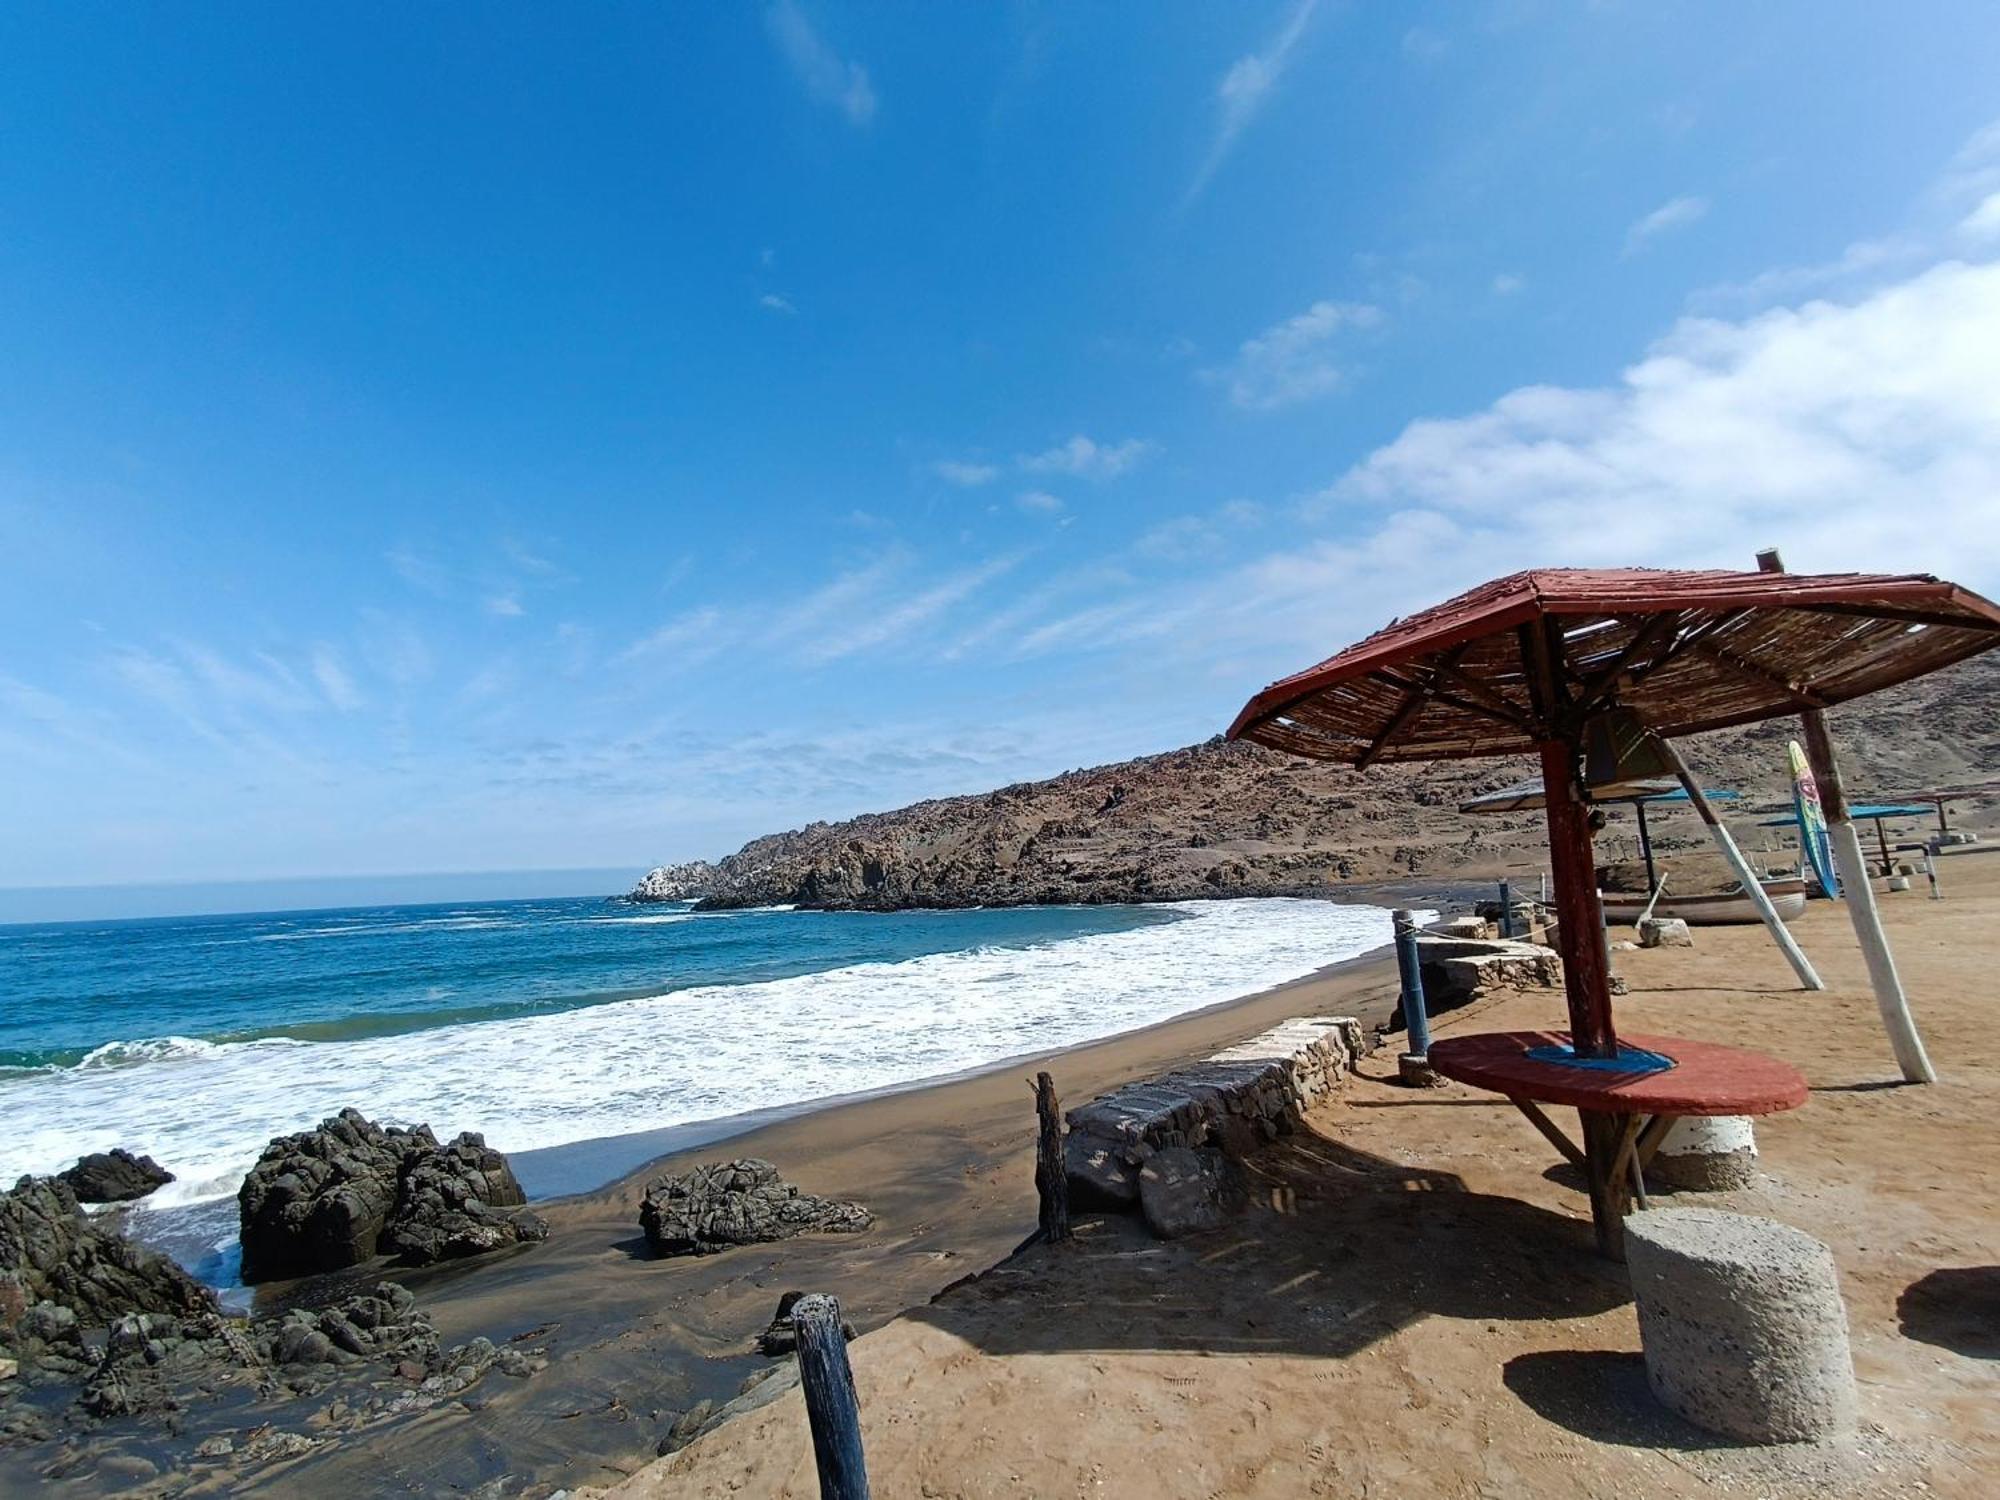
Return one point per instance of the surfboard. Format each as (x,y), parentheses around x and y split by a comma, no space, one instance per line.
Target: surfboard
(1815,848)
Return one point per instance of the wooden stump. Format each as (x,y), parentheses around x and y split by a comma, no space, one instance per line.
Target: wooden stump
(1051,1176)
(832,1409)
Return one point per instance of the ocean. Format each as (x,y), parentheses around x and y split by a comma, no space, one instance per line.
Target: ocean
(544,1023)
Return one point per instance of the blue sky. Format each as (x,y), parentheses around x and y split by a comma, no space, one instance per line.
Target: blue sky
(480,438)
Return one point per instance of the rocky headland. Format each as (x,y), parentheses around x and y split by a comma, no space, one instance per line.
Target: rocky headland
(1222,819)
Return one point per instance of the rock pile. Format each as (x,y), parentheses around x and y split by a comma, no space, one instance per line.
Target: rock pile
(338,1195)
(741,1202)
(1232,1102)
(115,1176)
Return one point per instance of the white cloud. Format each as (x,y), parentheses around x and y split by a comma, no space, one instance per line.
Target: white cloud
(1087,459)
(827,77)
(1294,360)
(1983,223)
(505,606)
(1676,213)
(1507,283)
(1824,429)
(772,302)
(1856,435)
(334,680)
(1039,500)
(965,475)
(1244,89)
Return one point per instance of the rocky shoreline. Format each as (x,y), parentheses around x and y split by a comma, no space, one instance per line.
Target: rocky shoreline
(1224,820)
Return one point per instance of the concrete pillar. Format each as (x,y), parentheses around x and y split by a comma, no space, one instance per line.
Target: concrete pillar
(1742,1324)
(1706,1155)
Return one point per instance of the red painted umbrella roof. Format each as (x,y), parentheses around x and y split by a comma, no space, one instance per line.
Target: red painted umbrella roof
(1689,650)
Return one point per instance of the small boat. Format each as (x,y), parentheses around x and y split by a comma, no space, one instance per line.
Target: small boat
(1788,897)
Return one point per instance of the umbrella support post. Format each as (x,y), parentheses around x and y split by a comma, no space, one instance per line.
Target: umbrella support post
(1579,917)
(1752,886)
(1646,846)
(1852,867)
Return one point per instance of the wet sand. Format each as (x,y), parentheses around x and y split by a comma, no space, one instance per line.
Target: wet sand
(1413,1305)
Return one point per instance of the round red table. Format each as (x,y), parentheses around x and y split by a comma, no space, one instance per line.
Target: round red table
(1624,1115)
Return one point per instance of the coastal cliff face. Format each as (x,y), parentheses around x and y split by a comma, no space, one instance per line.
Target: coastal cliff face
(1222,819)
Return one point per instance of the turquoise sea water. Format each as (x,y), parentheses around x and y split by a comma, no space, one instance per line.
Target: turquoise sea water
(547,1023)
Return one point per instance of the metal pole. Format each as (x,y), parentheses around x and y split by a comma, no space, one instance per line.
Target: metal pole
(1752,886)
(1882,839)
(832,1410)
(1646,846)
(1852,868)
(1506,911)
(1409,968)
(1930,873)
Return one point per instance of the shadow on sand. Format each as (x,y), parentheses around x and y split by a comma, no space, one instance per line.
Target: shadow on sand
(1955,1308)
(1602,1396)
(1338,1249)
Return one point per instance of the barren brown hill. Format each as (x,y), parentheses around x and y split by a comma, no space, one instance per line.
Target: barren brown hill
(1222,819)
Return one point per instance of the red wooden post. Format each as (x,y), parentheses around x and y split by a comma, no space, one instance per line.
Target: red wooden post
(1586,980)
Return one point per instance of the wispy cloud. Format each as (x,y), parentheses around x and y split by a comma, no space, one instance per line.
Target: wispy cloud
(772,302)
(1245,89)
(965,475)
(897,620)
(1039,501)
(504,606)
(1676,213)
(695,634)
(418,571)
(827,77)
(1088,459)
(1294,360)
(334,680)
(1508,283)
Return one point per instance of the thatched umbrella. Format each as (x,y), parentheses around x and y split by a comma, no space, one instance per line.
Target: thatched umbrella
(1545,661)
(1602,666)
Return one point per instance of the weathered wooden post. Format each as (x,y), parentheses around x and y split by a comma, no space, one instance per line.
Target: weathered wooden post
(1890,1001)
(1051,1178)
(1930,874)
(831,1407)
(1506,911)
(1414,1066)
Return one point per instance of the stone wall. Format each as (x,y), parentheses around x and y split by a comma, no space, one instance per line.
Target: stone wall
(1237,1099)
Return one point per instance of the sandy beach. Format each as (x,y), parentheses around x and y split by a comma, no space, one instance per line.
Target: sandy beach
(1411,1305)
(634,1342)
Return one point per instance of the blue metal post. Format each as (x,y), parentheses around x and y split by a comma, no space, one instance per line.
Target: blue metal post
(1506,911)
(1416,1020)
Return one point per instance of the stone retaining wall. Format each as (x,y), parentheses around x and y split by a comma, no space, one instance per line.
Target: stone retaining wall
(1237,1099)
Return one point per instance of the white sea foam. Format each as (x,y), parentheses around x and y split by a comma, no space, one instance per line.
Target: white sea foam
(205,1110)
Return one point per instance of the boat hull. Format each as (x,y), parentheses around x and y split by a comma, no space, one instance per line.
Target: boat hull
(1729,908)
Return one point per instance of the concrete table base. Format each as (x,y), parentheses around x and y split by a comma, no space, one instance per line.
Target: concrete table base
(1743,1327)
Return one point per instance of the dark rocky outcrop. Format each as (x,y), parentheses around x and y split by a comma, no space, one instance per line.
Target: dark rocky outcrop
(741,1202)
(1222,819)
(154,1364)
(115,1176)
(63,1273)
(340,1194)
(459,1200)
